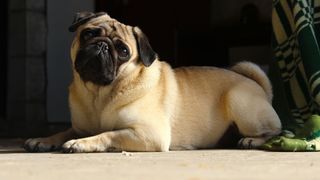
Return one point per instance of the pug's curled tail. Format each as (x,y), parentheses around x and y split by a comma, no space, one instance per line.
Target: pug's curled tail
(254,72)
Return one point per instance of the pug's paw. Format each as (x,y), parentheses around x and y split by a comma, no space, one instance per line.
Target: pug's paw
(41,145)
(84,145)
(251,143)
(73,146)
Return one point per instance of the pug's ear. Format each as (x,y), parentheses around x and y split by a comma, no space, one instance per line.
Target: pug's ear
(145,50)
(83,17)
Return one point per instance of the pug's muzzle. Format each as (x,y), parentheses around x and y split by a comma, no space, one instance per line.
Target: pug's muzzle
(96,63)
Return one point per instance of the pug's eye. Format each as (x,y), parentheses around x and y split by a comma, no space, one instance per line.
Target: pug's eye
(122,50)
(88,34)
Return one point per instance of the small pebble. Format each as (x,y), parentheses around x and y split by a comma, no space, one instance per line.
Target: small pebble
(126,153)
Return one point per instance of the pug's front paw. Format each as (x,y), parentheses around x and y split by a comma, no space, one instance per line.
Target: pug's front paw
(84,145)
(41,145)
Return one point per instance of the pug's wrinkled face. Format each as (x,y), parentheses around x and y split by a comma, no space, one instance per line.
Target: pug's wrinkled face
(103,47)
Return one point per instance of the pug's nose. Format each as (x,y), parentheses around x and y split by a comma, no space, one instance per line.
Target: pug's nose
(103,46)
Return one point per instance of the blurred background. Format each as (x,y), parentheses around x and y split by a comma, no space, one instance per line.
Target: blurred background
(35,66)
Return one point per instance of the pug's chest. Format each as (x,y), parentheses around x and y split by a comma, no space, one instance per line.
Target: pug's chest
(102,115)
(115,119)
(95,121)
(108,119)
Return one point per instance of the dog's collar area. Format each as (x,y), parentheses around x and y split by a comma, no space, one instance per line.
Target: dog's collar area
(83,17)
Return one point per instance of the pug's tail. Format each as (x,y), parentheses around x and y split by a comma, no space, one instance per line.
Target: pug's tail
(254,72)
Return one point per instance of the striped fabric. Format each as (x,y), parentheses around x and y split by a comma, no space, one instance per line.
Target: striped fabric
(296,27)
(296,40)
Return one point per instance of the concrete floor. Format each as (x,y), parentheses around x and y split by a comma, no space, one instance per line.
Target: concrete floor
(15,163)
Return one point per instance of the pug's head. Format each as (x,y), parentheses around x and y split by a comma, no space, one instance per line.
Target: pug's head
(103,48)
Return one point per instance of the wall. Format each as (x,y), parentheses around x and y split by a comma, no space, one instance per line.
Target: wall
(60,16)
(26,75)
(3,60)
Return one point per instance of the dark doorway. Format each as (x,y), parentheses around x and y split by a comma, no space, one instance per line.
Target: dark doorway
(188,33)
(166,23)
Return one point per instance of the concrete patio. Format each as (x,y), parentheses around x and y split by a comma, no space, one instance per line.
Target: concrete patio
(15,163)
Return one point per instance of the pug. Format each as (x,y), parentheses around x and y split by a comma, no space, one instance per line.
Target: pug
(123,98)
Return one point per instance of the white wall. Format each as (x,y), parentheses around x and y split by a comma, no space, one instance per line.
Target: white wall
(60,16)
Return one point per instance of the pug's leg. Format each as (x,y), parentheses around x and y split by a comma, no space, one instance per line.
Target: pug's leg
(256,119)
(120,140)
(258,127)
(51,143)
